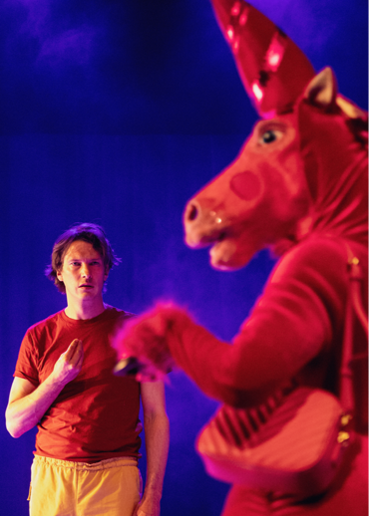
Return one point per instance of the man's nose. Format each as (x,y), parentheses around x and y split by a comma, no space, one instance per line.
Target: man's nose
(85,271)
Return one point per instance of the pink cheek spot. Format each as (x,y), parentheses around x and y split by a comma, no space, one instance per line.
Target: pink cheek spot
(246,185)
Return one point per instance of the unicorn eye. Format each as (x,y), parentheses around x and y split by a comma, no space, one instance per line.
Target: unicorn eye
(270,136)
(269,131)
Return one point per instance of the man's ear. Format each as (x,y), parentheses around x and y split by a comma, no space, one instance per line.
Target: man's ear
(322,90)
(59,275)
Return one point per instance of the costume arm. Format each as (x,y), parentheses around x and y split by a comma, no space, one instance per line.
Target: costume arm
(293,321)
(156,428)
(27,403)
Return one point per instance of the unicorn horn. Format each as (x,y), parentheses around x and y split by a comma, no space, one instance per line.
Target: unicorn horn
(273,69)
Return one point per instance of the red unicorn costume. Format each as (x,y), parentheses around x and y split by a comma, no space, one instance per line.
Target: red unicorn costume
(299,186)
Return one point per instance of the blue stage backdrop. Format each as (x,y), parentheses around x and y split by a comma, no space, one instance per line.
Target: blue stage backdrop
(117,112)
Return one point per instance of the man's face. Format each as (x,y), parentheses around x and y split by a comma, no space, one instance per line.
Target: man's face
(83,272)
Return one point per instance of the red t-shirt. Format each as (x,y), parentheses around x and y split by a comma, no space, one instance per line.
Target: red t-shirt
(96,415)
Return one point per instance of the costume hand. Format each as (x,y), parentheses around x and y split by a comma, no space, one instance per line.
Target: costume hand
(69,363)
(147,507)
(146,339)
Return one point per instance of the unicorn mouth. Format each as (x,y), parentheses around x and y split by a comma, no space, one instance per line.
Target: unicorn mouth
(200,239)
(218,239)
(224,246)
(222,251)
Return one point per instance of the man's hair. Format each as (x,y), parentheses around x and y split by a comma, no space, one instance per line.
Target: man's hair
(87,232)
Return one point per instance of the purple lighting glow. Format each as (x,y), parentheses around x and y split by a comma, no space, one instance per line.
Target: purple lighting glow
(49,32)
(73,45)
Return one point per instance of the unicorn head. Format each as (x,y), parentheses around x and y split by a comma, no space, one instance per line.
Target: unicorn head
(292,174)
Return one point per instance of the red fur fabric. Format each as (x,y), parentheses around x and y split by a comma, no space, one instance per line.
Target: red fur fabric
(145,338)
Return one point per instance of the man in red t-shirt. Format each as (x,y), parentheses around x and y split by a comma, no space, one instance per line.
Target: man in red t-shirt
(87,445)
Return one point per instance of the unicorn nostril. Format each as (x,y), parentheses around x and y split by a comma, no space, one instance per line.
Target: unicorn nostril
(193,212)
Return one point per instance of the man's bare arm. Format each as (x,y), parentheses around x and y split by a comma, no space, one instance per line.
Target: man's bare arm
(27,403)
(156,428)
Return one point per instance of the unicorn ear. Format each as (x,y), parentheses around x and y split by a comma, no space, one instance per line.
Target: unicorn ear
(350,109)
(322,90)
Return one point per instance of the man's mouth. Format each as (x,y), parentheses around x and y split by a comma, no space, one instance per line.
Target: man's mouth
(86,286)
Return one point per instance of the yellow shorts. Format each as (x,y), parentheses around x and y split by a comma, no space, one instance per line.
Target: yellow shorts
(111,487)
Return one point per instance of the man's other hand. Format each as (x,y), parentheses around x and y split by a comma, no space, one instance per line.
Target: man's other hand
(147,507)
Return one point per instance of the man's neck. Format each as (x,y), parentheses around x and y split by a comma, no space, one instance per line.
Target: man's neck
(84,310)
